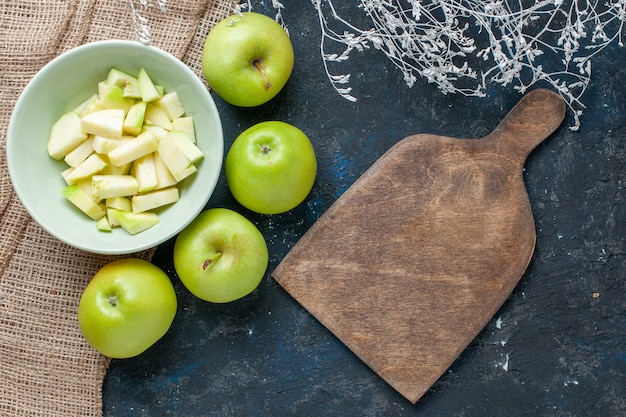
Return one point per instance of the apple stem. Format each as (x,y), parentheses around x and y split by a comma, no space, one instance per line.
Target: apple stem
(261,69)
(207,262)
(113,300)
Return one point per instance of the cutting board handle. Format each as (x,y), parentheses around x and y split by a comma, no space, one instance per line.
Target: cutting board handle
(530,122)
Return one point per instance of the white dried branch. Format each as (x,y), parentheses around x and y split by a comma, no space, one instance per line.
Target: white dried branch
(511,42)
(140,23)
(276,5)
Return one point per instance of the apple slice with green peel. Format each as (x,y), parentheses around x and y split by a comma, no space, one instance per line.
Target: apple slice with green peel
(89,167)
(103,145)
(175,159)
(185,125)
(148,90)
(103,89)
(103,224)
(128,83)
(84,202)
(131,90)
(119,203)
(172,106)
(110,186)
(156,116)
(114,99)
(155,199)
(134,223)
(66,172)
(144,171)
(112,218)
(111,169)
(86,106)
(189,148)
(65,135)
(118,77)
(85,185)
(108,123)
(134,118)
(164,176)
(158,131)
(77,155)
(133,149)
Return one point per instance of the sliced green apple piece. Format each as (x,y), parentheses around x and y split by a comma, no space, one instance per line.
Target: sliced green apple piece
(65,135)
(85,185)
(86,106)
(134,223)
(89,167)
(150,201)
(164,176)
(77,155)
(133,149)
(119,203)
(118,77)
(128,83)
(188,147)
(110,186)
(108,123)
(114,99)
(172,106)
(175,159)
(134,118)
(147,88)
(65,173)
(185,125)
(111,169)
(103,89)
(131,90)
(158,131)
(156,116)
(111,216)
(103,224)
(81,200)
(144,171)
(103,145)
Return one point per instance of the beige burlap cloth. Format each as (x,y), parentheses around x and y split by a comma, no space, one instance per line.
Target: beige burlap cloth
(46,368)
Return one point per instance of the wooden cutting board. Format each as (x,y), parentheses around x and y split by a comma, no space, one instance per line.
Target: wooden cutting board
(417,256)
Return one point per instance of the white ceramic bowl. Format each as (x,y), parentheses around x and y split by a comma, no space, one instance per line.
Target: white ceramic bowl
(59,87)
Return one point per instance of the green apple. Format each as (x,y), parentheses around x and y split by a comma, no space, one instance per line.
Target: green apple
(247,59)
(127,307)
(271,167)
(220,256)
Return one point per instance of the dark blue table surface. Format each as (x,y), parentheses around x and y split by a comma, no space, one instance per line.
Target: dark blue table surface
(557,347)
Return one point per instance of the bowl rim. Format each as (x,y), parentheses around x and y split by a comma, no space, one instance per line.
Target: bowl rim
(68,55)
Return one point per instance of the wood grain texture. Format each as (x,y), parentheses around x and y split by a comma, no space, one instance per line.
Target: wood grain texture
(414,259)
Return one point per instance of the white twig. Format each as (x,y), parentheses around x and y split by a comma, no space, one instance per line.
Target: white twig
(140,23)
(511,43)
